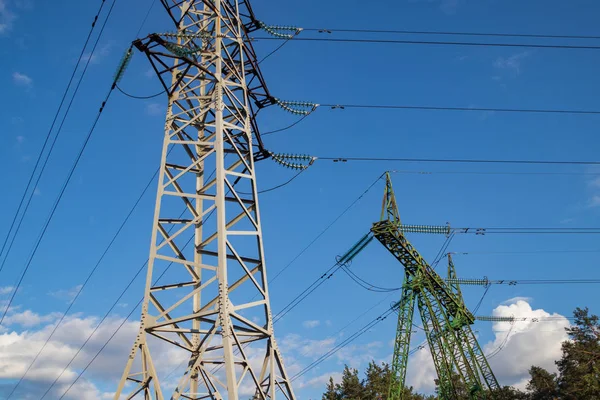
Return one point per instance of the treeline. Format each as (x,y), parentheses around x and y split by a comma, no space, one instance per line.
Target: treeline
(578,376)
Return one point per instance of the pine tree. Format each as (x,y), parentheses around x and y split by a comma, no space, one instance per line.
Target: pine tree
(351,387)
(542,385)
(579,367)
(331,393)
(377,383)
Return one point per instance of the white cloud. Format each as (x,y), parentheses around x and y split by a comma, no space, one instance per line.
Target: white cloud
(98,55)
(594,201)
(154,109)
(527,343)
(421,371)
(6,17)
(22,80)
(511,63)
(6,289)
(320,381)
(516,299)
(19,347)
(311,324)
(28,318)
(65,294)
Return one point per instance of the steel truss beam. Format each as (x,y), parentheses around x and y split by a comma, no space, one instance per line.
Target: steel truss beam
(215,307)
(446,320)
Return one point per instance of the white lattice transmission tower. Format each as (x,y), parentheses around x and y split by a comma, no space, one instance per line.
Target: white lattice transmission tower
(213,301)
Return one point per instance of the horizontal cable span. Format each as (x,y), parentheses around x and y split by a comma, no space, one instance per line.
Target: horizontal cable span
(452,33)
(521,319)
(449,108)
(456,160)
(433,42)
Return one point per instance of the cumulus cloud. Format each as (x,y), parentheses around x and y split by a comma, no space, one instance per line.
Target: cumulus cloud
(526,343)
(6,289)
(18,348)
(311,324)
(421,372)
(514,349)
(22,80)
(65,294)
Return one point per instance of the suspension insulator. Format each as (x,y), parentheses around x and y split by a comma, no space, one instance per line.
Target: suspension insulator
(123,65)
(280,31)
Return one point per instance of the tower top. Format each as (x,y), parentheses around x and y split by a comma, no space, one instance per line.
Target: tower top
(389,209)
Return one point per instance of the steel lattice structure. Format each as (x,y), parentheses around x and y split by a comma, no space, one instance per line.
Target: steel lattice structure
(445,318)
(207,229)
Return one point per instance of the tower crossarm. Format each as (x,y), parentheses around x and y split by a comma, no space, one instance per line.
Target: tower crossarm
(393,239)
(183,46)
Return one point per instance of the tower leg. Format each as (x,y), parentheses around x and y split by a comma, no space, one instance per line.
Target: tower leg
(406,308)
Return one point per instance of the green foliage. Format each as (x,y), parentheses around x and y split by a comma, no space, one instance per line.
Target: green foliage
(578,375)
(542,385)
(374,386)
(579,367)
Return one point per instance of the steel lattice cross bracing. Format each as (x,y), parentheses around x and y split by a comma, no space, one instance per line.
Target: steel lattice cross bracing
(213,307)
(445,318)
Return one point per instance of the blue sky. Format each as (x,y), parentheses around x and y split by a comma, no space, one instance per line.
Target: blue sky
(39,45)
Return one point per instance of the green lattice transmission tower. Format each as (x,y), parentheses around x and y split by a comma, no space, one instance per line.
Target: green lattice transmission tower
(445,318)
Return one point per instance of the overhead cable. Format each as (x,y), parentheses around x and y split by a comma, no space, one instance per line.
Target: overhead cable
(452,33)
(433,43)
(523,173)
(456,160)
(62,190)
(84,284)
(29,185)
(449,108)
(325,229)
(345,342)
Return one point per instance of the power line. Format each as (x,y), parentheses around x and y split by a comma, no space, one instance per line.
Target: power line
(287,127)
(543,281)
(112,307)
(110,310)
(140,97)
(448,108)
(344,343)
(453,33)
(58,199)
(88,278)
(49,134)
(279,47)
(487,288)
(434,42)
(307,292)
(527,230)
(456,160)
(408,172)
(522,252)
(55,206)
(366,285)
(324,230)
